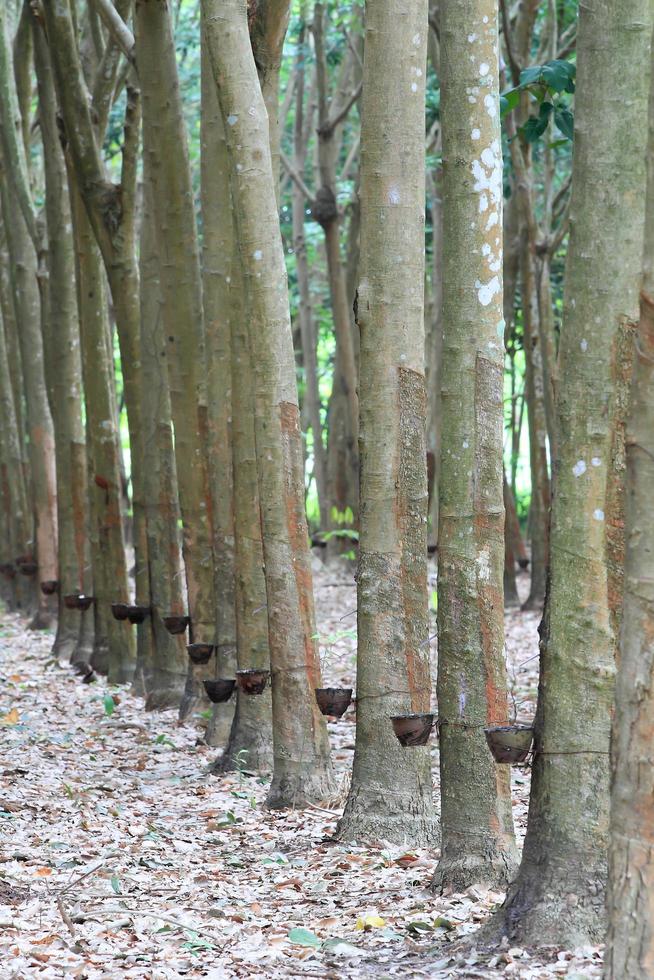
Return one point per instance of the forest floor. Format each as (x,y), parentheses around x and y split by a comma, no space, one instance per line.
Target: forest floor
(120,857)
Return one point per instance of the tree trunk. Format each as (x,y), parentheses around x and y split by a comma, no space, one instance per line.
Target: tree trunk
(630,941)
(217,245)
(164,672)
(302,770)
(477,826)
(558,895)
(165,142)
(113,651)
(62,358)
(391,793)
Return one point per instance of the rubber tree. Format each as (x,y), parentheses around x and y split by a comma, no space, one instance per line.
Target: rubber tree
(244,624)
(165,142)
(111,208)
(558,896)
(391,793)
(62,357)
(630,941)
(302,770)
(163,663)
(23,240)
(478,843)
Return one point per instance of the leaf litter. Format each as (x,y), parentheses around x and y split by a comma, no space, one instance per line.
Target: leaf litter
(121,857)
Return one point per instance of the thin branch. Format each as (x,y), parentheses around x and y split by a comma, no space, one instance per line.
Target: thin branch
(116,27)
(506,30)
(331,124)
(296,178)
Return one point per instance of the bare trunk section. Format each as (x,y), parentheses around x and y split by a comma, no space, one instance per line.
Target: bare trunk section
(164,672)
(217,246)
(630,941)
(391,793)
(477,826)
(165,143)
(558,895)
(62,358)
(113,651)
(302,771)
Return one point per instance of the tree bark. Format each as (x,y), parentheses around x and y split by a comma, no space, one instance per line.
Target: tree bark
(62,358)
(302,770)
(558,895)
(391,793)
(477,826)
(630,941)
(165,142)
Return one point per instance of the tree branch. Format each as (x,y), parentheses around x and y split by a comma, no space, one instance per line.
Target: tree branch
(296,178)
(506,30)
(116,26)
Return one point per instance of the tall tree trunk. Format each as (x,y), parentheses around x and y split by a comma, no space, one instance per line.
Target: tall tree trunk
(302,770)
(62,358)
(391,793)
(477,826)
(40,430)
(165,142)
(558,895)
(164,671)
(630,941)
(217,245)
(113,651)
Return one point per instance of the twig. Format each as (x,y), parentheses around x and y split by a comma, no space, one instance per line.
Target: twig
(116,27)
(65,916)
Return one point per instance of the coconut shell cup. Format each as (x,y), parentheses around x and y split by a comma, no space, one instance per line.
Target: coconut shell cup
(252,681)
(119,610)
(413,729)
(176,624)
(136,614)
(200,653)
(333,701)
(77,600)
(220,690)
(509,744)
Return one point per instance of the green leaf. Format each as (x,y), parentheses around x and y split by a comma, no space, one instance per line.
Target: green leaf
(115,884)
(109,705)
(565,122)
(339,947)
(441,923)
(509,100)
(419,927)
(304,937)
(536,125)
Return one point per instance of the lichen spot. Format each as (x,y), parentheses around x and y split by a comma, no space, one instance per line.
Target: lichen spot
(598,514)
(416,40)
(584,345)
(257,255)
(501,327)
(596,461)
(579,468)
(483,565)
(484,20)
(487,290)
(484,69)
(465,443)
(393,195)
(472,38)
(475,134)
(414,87)
(232,120)
(491,107)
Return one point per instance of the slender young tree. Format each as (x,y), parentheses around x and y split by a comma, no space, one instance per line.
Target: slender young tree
(477,827)
(630,941)
(391,793)
(302,770)
(62,357)
(165,143)
(558,894)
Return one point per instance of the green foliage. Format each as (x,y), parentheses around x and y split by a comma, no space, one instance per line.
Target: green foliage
(547,84)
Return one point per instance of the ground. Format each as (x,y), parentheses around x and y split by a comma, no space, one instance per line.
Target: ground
(120,857)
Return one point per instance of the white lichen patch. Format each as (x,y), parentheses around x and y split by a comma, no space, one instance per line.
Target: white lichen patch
(414,87)
(484,69)
(487,290)
(416,40)
(483,565)
(579,468)
(232,119)
(475,134)
(472,38)
(584,345)
(257,255)
(491,105)
(598,514)
(596,461)
(393,195)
